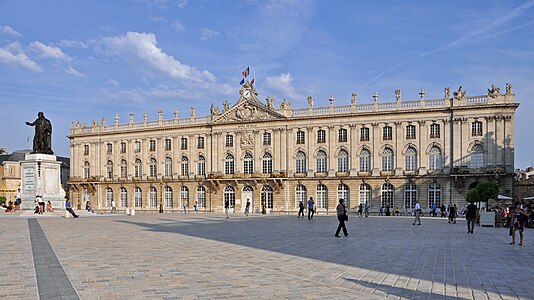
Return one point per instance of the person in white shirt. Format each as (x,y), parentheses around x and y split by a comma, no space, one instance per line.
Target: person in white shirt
(417,213)
(113,207)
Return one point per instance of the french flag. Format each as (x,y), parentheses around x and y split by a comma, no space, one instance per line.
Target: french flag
(246,72)
(242,81)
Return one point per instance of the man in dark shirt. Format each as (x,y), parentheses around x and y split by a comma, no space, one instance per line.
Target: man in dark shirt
(311,208)
(471,217)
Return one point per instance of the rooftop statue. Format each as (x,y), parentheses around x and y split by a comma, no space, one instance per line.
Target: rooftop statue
(42,140)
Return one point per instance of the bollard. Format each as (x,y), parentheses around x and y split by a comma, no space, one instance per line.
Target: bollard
(67,214)
(127,211)
(132,212)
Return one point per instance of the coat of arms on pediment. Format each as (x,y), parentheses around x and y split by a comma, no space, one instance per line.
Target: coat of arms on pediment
(247,108)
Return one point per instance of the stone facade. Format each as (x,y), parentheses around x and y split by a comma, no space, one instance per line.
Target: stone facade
(388,153)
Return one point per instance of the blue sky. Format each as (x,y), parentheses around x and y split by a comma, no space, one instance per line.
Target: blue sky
(85,60)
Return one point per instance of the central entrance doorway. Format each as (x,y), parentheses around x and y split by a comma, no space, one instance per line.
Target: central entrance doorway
(248,193)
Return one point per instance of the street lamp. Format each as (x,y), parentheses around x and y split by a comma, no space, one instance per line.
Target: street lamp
(161,196)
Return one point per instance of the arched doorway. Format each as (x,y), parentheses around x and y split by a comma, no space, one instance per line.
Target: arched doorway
(248,193)
(267,199)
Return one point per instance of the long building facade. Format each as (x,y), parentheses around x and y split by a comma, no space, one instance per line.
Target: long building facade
(388,154)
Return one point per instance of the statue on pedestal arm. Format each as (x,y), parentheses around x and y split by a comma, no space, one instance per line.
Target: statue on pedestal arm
(42,140)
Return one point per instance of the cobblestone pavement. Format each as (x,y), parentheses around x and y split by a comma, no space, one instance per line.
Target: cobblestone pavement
(175,256)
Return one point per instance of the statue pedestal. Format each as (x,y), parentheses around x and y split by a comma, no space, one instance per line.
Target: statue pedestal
(41,175)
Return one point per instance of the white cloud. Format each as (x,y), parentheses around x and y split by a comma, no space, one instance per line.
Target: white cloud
(113,82)
(207,34)
(12,54)
(283,84)
(163,91)
(50,51)
(143,47)
(7,30)
(121,96)
(165,3)
(72,71)
(73,44)
(178,26)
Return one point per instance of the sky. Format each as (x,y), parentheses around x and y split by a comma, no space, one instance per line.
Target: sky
(88,60)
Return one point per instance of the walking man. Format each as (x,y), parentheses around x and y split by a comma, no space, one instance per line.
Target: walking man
(341,217)
(247,207)
(366,209)
(186,206)
(417,213)
(226,207)
(301,209)
(360,210)
(311,208)
(452,214)
(471,217)
(518,224)
(113,207)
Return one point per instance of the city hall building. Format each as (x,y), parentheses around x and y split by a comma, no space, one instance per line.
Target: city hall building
(388,154)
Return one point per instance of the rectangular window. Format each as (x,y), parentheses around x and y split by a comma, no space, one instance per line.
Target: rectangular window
(123,147)
(168,144)
(476,128)
(300,137)
(342,137)
(387,133)
(137,147)
(364,134)
(229,140)
(410,132)
(109,148)
(183,143)
(152,145)
(321,136)
(266,139)
(85,149)
(200,142)
(434,131)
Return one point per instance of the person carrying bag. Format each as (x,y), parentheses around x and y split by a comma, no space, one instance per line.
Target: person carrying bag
(342,218)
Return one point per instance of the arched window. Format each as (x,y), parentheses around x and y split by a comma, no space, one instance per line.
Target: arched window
(267,196)
(168,166)
(201,166)
(365,194)
(387,159)
(343,193)
(476,157)
(109,169)
(343,161)
(387,195)
(301,162)
(138,197)
(124,168)
(321,162)
(300,195)
(229,164)
(86,170)
(138,168)
(153,196)
(109,196)
(365,160)
(267,163)
(322,196)
(229,194)
(184,166)
(201,197)
(410,196)
(124,197)
(434,158)
(248,164)
(434,194)
(153,167)
(411,159)
(167,193)
(184,196)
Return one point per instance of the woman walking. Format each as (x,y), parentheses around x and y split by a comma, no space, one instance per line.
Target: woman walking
(342,217)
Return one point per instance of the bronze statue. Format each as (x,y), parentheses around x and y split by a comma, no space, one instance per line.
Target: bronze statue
(42,141)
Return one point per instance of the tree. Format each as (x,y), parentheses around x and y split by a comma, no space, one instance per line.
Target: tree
(487,190)
(472,196)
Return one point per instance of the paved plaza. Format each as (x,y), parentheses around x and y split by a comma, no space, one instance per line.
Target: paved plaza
(176,256)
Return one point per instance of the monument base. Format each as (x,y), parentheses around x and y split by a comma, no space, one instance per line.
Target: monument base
(41,175)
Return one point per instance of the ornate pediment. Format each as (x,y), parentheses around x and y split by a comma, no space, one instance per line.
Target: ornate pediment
(247,108)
